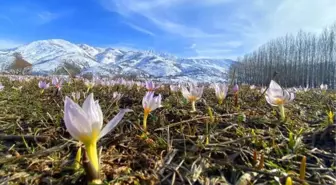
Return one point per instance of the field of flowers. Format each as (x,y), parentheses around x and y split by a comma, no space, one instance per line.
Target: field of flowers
(57,130)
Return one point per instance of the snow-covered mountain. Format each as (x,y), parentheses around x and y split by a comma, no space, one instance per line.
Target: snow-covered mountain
(46,56)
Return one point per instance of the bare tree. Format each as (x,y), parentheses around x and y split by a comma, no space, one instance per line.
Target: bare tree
(301,60)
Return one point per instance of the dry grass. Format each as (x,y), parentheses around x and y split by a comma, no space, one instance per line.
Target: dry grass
(35,147)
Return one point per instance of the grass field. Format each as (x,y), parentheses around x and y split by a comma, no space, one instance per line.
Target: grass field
(248,142)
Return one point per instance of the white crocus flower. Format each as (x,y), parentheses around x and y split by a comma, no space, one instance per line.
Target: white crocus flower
(221,92)
(276,96)
(174,88)
(76,95)
(192,94)
(324,87)
(116,96)
(85,124)
(150,103)
(89,84)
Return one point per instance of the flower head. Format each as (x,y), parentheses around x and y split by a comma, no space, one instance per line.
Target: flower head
(117,96)
(174,88)
(150,86)
(276,96)
(85,124)
(57,82)
(193,93)
(150,103)
(324,87)
(221,91)
(235,88)
(43,85)
(76,95)
(89,84)
(252,87)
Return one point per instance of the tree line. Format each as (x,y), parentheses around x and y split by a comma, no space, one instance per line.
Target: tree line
(304,59)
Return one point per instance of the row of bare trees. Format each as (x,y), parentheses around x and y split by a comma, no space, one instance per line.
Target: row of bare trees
(305,59)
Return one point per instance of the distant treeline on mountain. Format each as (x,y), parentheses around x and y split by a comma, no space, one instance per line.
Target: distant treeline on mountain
(306,59)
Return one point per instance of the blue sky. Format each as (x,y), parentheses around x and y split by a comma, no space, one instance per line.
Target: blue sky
(187,28)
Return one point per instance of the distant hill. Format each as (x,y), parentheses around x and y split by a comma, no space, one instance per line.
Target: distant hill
(47,56)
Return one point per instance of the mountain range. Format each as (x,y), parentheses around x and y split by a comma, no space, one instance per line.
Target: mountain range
(48,56)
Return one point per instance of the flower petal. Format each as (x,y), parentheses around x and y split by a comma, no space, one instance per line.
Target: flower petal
(99,124)
(75,119)
(113,123)
(271,100)
(93,111)
(185,92)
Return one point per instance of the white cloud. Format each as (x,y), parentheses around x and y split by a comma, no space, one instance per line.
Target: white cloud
(193,46)
(7,44)
(46,16)
(236,27)
(140,29)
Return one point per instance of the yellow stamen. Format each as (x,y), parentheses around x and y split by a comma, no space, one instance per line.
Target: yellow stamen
(192,98)
(147,110)
(279,101)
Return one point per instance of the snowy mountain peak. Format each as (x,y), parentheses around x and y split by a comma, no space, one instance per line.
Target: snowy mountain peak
(49,55)
(92,51)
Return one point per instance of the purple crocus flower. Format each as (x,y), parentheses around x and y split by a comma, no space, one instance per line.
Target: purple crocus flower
(43,85)
(57,83)
(235,88)
(150,86)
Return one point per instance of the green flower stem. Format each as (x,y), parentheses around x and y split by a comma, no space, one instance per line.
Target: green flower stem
(282,112)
